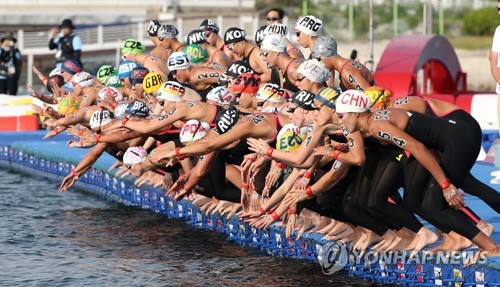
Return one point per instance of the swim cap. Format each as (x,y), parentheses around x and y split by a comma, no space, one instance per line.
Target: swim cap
(120,108)
(196,37)
(260,34)
(137,109)
(314,70)
(220,95)
(100,118)
(237,68)
(167,31)
(304,99)
(56,71)
(83,79)
(109,92)
(192,131)
(137,75)
(114,81)
(271,109)
(56,80)
(226,120)
(274,42)
(328,96)
(209,24)
(234,35)
(152,82)
(71,67)
(352,101)
(133,46)
(271,93)
(178,61)
(276,28)
(68,86)
(309,25)
(246,83)
(126,68)
(104,72)
(196,53)
(289,138)
(134,155)
(171,91)
(324,47)
(67,106)
(378,96)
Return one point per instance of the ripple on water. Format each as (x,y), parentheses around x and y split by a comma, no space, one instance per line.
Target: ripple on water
(75,239)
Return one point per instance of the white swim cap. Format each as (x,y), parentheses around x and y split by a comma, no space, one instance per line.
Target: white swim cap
(178,61)
(134,155)
(271,93)
(274,42)
(100,118)
(110,91)
(220,95)
(314,70)
(352,101)
(192,131)
(171,91)
(309,25)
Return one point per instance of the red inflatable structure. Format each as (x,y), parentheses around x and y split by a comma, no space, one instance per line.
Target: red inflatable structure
(428,66)
(420,65)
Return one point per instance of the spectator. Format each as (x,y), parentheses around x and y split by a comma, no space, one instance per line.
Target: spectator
(67,43)
(495,71)
(10,65)
(275,15)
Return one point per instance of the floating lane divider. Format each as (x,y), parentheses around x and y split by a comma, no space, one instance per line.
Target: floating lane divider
(26,157)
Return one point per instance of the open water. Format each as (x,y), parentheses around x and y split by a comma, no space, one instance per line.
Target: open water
(77,239)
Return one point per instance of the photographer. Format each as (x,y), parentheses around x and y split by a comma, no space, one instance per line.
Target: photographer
(10,65)
(67,43)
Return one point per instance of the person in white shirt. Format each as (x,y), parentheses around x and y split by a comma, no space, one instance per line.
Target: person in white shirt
(495,71)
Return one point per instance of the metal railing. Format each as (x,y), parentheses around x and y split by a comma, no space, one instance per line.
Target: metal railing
(109,37)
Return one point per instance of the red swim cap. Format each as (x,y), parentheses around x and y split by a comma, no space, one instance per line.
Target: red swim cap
(246,83)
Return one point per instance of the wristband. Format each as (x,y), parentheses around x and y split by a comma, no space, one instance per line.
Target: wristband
(178,153)
(97,137)
(280,165)
(307,174)
(275,216)
(336,154)
(45,79)
(80,132)
(73,171)
(269,152)
(291,211)
(183,177)
(270,211)
(309,191)
(56,130)
(251,159)
(124,121)
(244,186)
(445,184)
(261,210)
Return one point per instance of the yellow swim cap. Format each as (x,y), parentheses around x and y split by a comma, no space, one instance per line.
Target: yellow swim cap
(289,138)
(152,82)
(378,96)
(67,106)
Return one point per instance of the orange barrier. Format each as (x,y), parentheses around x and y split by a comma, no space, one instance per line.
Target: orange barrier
(19,123)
